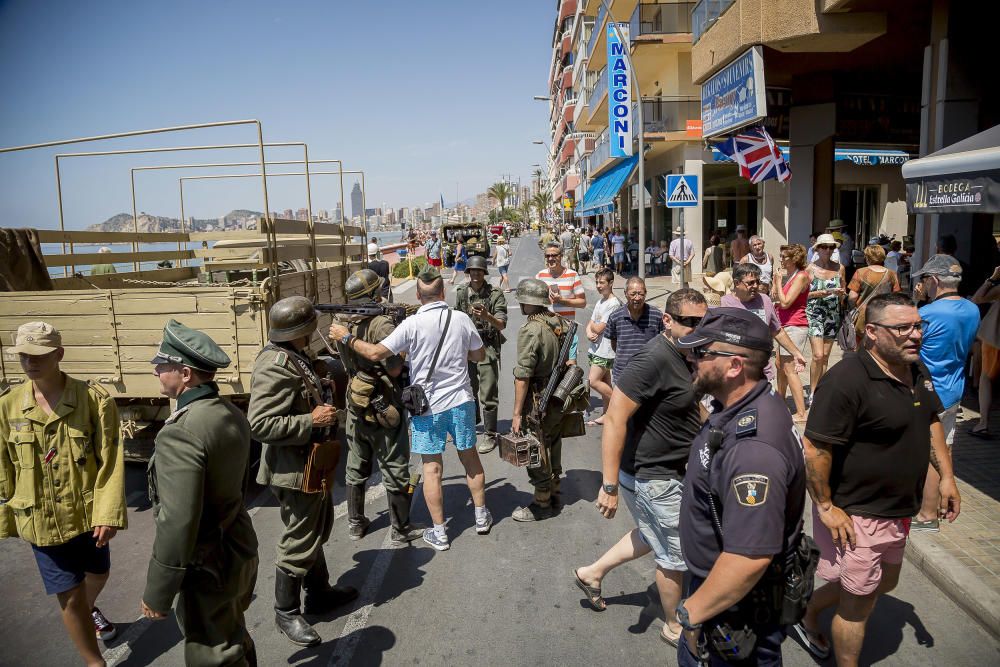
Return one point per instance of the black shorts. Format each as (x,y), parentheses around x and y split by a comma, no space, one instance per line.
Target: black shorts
(64,566)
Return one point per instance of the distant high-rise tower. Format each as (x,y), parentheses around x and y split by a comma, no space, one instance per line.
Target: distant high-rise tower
(356,199)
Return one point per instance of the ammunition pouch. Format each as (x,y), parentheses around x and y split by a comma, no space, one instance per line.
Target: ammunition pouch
(573,425)
(320,466)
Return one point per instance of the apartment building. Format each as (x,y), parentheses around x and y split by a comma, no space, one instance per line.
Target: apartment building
(854,89)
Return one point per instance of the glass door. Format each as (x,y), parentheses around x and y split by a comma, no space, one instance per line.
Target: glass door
(858,206)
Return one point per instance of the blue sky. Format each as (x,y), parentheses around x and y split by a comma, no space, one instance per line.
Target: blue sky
(423,96)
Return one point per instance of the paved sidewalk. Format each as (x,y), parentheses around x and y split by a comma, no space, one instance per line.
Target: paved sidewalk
(963,560)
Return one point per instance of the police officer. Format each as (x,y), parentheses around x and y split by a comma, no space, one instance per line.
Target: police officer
(538,343)
(283,417)
(205,550)
(375,427)
(743,496)
(487,307)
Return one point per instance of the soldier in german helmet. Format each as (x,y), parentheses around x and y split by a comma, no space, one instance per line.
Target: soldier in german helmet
(283,416)
(487,307)
(538,343)
(205,550)
(375,429)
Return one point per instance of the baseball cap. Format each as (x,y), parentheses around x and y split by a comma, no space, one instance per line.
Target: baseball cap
(36,339)
(734,326)
(939,265)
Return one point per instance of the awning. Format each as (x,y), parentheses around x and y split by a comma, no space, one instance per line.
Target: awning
(962,178)
(600,196)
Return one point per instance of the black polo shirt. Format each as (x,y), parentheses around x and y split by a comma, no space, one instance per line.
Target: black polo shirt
(758,476)
(880,432)
(659,434)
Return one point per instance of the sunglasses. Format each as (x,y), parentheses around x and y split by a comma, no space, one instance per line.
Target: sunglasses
(826,247)
(749,283)
(702,352)
(552,256)
(690,321)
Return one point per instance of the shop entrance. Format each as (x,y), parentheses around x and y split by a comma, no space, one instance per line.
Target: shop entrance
(729,201)
(857,206)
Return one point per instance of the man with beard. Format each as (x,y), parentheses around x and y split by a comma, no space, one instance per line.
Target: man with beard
(872,431)
(744,492)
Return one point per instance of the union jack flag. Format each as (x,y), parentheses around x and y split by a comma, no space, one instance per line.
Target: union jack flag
(758,157)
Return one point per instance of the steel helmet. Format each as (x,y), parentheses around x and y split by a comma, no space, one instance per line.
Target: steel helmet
(534,292)
(291,318)
(477,262)
(363,284)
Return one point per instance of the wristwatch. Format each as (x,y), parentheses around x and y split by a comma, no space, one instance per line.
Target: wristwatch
(610,489)
(684,619)
(346,340)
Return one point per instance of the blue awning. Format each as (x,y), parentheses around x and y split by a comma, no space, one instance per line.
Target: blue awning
(600,196)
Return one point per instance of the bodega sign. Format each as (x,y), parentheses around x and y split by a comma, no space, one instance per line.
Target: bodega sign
(619,92)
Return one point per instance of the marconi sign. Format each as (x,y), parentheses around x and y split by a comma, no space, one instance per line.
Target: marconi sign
(619,92)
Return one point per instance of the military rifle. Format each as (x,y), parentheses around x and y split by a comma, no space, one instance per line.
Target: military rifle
(397,312)
(538,411)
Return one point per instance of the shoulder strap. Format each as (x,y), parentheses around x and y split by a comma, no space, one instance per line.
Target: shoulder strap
(885,274)
(437,352)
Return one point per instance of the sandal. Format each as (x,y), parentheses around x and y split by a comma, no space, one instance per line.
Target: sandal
(810,641)
(983,433)
(593,593)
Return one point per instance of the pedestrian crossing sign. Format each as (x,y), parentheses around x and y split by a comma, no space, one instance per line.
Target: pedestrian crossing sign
(682,190)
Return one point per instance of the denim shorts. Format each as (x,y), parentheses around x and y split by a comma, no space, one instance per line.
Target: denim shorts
(619,258)
(429,433)
(502,270)
(655,505)
(64,566)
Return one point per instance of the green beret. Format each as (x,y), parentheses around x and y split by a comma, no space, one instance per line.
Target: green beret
(188,347)
(428,274)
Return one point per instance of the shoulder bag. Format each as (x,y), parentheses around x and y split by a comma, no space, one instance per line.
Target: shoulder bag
(847,337)
(415,396)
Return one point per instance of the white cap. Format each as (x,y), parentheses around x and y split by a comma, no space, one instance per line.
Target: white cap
(373,250)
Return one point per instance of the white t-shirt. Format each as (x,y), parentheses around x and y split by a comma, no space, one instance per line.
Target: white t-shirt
(892,260)
(602,311)
(418,336)
(617,243)
(503,255)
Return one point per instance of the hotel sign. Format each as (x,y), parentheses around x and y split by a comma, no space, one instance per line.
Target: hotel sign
(619,92)
(735,96)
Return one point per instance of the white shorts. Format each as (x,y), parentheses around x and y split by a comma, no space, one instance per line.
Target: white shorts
(799,337)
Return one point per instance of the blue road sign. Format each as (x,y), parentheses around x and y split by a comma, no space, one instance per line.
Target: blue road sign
(682,191)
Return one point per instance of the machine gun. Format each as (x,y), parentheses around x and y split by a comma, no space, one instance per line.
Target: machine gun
(525,449)
(397,312)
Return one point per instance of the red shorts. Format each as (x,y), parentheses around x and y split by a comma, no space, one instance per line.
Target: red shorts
(859,570)
(434,262)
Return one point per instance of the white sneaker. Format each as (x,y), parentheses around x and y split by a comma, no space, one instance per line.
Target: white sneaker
(484,524)
(440,543)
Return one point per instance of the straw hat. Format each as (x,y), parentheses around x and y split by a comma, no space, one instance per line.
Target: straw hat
(721,283)
(825,239)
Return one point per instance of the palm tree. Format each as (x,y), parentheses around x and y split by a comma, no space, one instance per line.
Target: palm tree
(501,191)
(541,202)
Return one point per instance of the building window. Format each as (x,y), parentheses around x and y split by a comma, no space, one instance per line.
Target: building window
(858,207)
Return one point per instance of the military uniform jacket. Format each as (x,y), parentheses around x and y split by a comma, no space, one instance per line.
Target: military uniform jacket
(63,474)
(197,477)
(538,342)
(374,330)
(280,417)
(496,305)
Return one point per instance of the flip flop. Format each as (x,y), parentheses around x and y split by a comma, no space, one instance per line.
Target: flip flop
(593,594)
(593,422)
(667,638)
(808,640)
(980,433)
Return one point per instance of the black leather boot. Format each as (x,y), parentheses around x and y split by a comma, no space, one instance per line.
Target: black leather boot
(356,520)
(286,610)
(321,597)
(399,515)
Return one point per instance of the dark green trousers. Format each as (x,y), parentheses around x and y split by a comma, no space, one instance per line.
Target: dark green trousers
(545,478)
(308,520)
(368,444)
(485,376)
(210,615)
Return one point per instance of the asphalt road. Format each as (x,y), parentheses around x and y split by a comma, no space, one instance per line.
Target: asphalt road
(503,599)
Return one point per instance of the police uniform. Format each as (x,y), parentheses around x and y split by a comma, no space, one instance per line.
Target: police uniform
(280,416)
(485,375)
(538,344)
(61,475)
(749,457)
(205,549)
(375,427)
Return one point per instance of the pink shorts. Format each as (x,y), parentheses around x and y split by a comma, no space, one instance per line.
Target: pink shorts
(859,570)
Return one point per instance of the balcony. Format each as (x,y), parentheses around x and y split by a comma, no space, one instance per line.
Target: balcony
(660,18)
(704,14)
(567,8)
(668,114)
(598,26)
(600,155)
(600,90)
(567,76)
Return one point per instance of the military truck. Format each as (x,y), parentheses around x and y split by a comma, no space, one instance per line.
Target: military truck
(474,235)
(220,282)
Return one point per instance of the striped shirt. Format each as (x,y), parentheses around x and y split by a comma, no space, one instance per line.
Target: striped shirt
(569,286)
(631,335)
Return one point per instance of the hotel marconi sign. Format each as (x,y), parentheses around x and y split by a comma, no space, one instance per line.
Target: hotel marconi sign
(619,92)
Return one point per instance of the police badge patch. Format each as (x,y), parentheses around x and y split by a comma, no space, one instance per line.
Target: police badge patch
(751,490)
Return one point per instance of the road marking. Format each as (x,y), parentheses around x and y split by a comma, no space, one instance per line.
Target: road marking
(123,649)
(344,650)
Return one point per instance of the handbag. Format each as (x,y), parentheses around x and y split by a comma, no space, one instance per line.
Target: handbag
(414,396)
(847,337)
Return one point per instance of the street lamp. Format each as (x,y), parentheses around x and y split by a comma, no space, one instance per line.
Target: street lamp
(642,147)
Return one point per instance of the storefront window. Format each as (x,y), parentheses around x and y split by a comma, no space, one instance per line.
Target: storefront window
(858,206)
(729,201)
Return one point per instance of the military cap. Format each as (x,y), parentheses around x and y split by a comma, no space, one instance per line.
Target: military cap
(428,274)
(36,339)
(188,347)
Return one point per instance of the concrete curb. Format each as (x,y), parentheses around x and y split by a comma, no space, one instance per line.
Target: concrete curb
(957,582)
